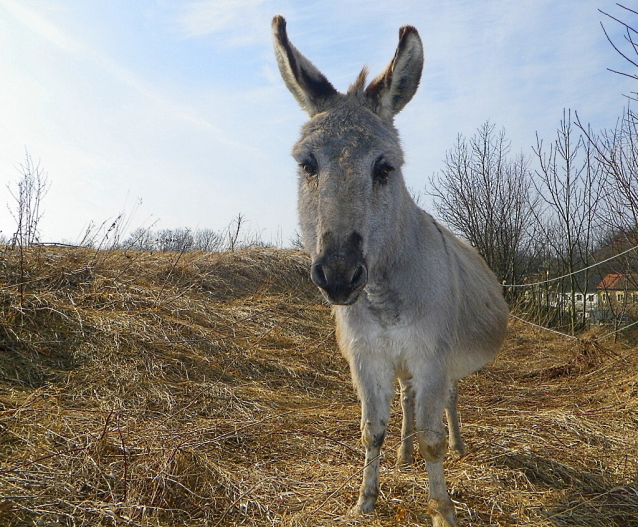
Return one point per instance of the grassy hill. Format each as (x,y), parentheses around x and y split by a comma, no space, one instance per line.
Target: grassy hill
(206,389)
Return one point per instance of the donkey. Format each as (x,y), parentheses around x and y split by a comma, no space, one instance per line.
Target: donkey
(411,301)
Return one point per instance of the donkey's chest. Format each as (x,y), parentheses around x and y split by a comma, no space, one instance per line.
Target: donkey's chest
(380,314)
(388,334)
(383,308)
(396,348)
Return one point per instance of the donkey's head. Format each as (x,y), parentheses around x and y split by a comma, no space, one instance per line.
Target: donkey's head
(352,197)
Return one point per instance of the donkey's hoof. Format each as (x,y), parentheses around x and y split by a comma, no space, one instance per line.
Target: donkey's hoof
(405,462)
(442,513)
(365,505)
(359,510)
(458,450)
(404,457)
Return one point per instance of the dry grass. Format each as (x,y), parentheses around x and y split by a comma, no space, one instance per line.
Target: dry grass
(204,390)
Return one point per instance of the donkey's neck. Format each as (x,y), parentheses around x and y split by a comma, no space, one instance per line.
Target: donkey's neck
(398,253)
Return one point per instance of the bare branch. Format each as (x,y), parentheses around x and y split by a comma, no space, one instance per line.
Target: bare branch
(616,48)
(617,20)
(630,10)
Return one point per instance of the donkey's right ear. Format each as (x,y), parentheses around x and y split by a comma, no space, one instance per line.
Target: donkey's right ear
(309,86)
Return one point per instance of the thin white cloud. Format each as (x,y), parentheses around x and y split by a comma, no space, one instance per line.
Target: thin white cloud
(126,76)
(210,16)
(102,130)
(42,27)
(238,20)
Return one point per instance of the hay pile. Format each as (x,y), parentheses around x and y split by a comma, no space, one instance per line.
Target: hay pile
(163,389)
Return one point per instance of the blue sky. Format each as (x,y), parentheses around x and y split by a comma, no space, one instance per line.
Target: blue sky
(179,104)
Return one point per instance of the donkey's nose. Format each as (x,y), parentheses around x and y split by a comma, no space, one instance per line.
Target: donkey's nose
(318,276)
(340,284)
(359,277)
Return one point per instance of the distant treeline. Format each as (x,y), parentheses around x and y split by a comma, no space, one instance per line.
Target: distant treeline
(184,239)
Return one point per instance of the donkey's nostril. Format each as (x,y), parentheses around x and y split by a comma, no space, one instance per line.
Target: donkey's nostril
(339,283)
(359,277)
(319,276)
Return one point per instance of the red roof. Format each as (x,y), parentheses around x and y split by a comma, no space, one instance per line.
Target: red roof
(619,281)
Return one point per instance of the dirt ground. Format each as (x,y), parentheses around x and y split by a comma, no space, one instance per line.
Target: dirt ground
(206,389)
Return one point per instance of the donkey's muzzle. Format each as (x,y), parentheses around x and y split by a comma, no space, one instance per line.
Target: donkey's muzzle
(340,281)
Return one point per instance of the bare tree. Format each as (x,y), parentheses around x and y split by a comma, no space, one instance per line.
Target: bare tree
(630,39)
(569,183)
(207,240)
(616,151)
(174,240)
(232,238)
(32,187)
(141,239)
(485,196)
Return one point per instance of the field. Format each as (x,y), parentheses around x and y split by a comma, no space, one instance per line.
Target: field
(206,389)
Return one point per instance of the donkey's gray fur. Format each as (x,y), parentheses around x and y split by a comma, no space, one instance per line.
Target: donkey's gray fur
(411,301)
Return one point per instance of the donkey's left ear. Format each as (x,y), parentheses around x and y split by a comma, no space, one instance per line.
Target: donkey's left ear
(396,86)
(309,86)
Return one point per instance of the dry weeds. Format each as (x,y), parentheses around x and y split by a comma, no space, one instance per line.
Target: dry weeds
(204,390)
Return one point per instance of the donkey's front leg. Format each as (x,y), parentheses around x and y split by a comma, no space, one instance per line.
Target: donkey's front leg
(375,391)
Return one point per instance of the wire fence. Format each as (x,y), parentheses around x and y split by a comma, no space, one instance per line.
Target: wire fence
(565,276)
(541,306)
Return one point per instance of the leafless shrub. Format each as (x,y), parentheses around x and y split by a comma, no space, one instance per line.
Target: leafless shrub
(32,186)
(174,240)
(296,241)
(140,239)
(234,237)
(233,231)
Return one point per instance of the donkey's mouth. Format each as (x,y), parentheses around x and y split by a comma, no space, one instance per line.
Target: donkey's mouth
(338,300)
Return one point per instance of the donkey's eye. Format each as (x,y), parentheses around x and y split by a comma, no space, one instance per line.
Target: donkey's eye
(309,168)
(382,171)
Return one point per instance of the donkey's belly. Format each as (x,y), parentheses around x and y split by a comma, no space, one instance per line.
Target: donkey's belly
(410,347)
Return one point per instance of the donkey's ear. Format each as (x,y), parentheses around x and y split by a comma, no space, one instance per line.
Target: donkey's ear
(311,89)
(394,88)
